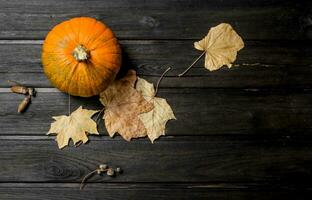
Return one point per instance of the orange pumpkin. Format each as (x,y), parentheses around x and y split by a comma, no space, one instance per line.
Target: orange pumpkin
(81,56)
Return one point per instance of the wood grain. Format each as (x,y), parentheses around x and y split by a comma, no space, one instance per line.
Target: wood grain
(173,159)
(199,112)
(259,64)
(174,19)
(52,191)
(241,133)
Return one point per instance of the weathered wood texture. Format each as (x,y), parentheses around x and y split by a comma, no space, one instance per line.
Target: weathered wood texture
(253,19)
(285,160)
(199,111)
(241,133)
(259,64)
(70,191)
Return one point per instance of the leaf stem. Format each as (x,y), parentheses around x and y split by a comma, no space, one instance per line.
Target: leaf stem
(185,71)
(85,178)
(161,77)
(98,115)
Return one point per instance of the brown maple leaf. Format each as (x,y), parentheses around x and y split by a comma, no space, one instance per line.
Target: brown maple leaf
(123,103)
(220,45)
(156,119)
(75,127)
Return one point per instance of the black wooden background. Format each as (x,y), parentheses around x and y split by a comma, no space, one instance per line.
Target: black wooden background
(241,133)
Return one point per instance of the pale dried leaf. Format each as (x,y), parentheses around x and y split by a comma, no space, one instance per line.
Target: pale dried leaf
(221,46)
(75,127)
(123,104)
(155,120)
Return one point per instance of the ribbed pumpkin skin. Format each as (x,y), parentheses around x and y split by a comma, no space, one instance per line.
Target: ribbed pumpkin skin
(81,78)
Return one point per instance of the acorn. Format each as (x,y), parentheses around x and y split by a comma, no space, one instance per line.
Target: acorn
(19,89)
(23,105)
(118,170)
(110,172)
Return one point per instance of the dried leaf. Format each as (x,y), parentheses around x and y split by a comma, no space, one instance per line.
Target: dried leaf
(221,45)
(155,120)
(123,104)
(75,127)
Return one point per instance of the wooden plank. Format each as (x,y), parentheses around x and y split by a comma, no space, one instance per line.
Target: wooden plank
(199,112)
(285,160)
(259,64)
(50,191)
(173,19)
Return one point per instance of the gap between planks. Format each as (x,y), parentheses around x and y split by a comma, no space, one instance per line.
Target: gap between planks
(255,90)
(133,185)
(153,185)
(181,138)
(40,41)
(43,90)
(148,40)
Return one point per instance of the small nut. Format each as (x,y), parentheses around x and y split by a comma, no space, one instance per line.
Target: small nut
(98,171)
(118,170)
(24,104)
(110,172)
(19,89)
(103,166)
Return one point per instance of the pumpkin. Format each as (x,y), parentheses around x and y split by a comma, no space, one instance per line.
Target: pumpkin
(81,56)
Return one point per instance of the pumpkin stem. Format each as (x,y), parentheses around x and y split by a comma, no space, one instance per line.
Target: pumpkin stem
(81,53)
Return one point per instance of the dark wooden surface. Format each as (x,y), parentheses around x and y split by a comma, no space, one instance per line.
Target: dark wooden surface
(241,133)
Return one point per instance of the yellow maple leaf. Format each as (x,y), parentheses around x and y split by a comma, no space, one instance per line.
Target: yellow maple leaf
(220,45)
(123,103)
(156,119)
(75,127)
